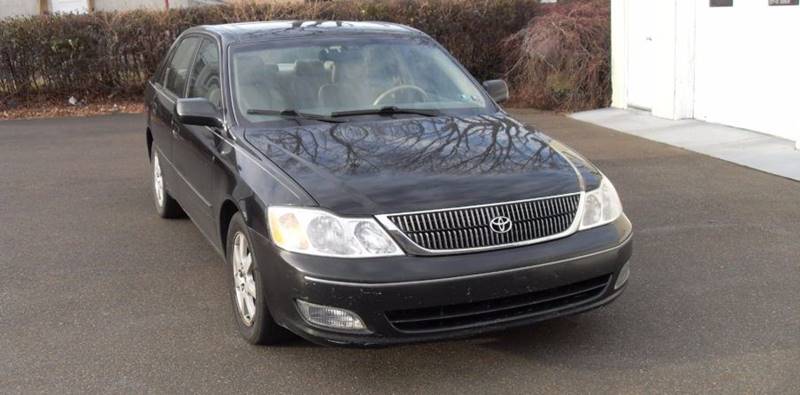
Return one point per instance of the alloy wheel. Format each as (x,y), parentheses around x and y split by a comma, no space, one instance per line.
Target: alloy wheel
(158,182)
(243,278)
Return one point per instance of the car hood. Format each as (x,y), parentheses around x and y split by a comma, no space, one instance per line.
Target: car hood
(411,164)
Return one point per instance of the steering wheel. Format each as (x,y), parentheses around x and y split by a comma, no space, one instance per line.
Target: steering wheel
(398,88)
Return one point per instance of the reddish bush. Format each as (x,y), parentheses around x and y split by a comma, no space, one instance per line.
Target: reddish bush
(560,61)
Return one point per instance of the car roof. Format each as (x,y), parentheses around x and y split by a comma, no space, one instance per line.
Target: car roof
(261,31)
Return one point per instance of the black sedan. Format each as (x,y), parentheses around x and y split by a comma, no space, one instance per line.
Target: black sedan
(364,189)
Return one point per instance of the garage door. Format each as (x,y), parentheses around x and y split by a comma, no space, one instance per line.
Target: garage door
(747,71)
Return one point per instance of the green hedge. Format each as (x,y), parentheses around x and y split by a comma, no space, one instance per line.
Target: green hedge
(114,53)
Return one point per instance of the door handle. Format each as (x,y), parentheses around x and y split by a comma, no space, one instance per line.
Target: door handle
(174,126)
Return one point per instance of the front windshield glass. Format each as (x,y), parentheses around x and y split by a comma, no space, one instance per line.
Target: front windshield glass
(333,76)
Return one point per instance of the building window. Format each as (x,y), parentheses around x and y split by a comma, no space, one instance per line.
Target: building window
(721,3)
(69,6)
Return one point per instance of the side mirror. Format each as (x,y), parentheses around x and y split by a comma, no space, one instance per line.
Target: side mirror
(198,111)
(497,89)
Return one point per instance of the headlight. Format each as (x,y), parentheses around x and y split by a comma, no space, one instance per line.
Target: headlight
(317,232)
(601,206)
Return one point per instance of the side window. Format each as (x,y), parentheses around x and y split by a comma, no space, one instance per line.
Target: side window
(178,67)
(204,78)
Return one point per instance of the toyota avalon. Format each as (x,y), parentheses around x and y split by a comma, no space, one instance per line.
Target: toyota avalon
(364,189)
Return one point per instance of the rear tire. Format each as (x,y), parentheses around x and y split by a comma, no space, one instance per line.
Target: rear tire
(253,319)
(166,206)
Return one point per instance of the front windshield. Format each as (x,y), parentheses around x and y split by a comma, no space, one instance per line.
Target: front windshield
(348,74)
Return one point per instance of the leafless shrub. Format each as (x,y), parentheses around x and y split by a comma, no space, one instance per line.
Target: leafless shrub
(560,61)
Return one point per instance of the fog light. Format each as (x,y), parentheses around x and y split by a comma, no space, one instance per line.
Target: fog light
(622,277)
(331,317)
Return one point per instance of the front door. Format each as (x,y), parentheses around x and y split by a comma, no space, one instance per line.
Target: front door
(170,86)
(195,149)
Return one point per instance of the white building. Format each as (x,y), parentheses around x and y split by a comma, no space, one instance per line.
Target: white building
(11,8)
(733,62)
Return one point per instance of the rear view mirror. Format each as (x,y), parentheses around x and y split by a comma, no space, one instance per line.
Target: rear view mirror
(497,89)
(198,111)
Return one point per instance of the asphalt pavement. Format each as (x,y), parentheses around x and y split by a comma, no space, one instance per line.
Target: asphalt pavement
(97,294)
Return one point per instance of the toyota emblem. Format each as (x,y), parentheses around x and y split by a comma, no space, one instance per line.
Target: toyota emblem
(500,224)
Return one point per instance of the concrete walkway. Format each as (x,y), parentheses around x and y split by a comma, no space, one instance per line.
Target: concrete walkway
(755,150)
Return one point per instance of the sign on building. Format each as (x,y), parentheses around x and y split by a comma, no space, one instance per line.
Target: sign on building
(783,2)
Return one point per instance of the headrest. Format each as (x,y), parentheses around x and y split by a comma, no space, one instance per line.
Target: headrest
(309,68)
(246,63)
(348,71)
(252,69)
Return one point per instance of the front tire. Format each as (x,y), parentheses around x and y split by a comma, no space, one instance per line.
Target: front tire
(166,206)
(253,318)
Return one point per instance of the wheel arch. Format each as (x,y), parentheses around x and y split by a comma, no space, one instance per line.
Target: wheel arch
(149,137)
(226,213)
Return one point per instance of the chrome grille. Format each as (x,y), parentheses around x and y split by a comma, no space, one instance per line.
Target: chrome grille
(468,228)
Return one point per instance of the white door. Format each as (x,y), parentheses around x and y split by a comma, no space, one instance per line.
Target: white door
(641,84)
(747,67)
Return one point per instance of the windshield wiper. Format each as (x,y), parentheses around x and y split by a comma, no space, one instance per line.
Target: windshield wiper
(293,114)
(388,110)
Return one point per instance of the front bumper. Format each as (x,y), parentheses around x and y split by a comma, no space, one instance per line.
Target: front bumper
(414,299)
